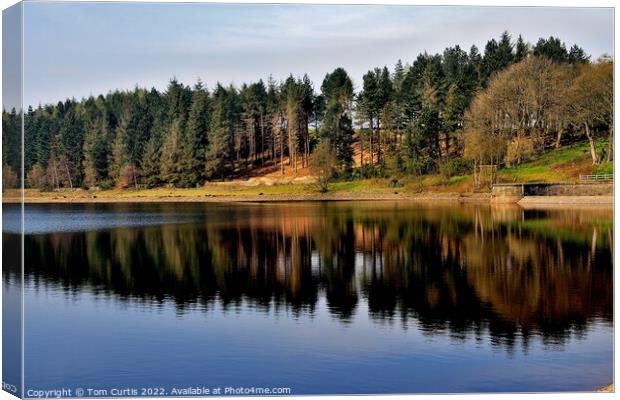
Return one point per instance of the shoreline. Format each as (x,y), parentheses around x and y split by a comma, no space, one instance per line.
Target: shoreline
(257,198)
(178,196)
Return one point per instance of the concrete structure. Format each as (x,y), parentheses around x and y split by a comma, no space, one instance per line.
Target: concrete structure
(514,192)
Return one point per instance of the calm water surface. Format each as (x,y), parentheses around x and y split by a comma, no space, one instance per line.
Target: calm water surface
(318,297)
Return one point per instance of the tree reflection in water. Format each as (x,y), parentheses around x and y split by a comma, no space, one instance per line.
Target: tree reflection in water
(466,270)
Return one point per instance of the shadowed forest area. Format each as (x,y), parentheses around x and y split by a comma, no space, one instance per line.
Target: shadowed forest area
(442,113)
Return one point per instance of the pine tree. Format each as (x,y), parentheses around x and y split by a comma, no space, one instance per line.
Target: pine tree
(139,128)
(195,139)
(521,49)
(551,48)
(71,145)
(497,56)
(338,130)
(399,75)
(293,98)
(222,128)
(96,154)
(171,155)
(120,156)
(11,143)
(453,108)
(577,55)
(474,69)
(151,166)
(30,132)
(272,111)
(337,89)
(338,86)
(505,55)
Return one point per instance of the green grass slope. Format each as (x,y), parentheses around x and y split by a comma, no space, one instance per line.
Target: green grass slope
(561,165)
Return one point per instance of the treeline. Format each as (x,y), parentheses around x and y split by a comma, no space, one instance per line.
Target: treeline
(407,120)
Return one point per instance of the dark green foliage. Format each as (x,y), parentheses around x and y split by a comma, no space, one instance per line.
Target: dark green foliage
(11,140)
(30,130)
(337,127)
(151,162)
(408,120)
(337,86)
(96,151)
(454,167)
(427,128)
(551,48)
(70,147)
(497,56)
(521,49)
(195,139)
(224,118)
(171,153)
(339,131)
(577,55)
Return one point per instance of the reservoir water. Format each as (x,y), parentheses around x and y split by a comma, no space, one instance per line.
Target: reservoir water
(317,297)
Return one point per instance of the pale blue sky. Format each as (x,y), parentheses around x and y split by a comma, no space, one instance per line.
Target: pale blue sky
(78,49)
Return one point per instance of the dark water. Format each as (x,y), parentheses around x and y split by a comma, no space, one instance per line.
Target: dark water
(321,298)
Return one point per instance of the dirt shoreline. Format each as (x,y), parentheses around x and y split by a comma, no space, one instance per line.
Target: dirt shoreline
(478,198)
(262,198)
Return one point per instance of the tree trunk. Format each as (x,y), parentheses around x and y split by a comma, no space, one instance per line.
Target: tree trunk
(273,146)
(610,144)
(281,155)
(133,171)
(558,140)
(307,143)
(68,174)
(372,134)
(378,143)
(361,149)
(592,144)
(55,175)
(476,182)
(262,138)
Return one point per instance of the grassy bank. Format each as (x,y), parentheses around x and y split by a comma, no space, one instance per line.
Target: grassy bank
(562,165)
(231,193)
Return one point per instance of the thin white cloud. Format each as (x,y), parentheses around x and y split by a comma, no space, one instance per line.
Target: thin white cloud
(125,44)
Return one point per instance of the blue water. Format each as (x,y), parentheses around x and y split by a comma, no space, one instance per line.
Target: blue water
(317,298)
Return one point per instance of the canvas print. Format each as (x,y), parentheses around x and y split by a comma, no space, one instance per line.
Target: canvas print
(301,199)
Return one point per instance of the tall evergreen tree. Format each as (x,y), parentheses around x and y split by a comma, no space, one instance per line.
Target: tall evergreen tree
(337,88)
(497,56)
(521,49)
(151,166)
(338,130)
(96,153)
(577,55)
(171,153)
(70,149)
(120,155)
(225,116)
(195,139)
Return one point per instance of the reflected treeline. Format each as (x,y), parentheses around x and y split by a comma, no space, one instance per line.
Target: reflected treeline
(505,271)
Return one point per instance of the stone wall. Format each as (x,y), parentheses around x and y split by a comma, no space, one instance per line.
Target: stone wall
(511,191)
